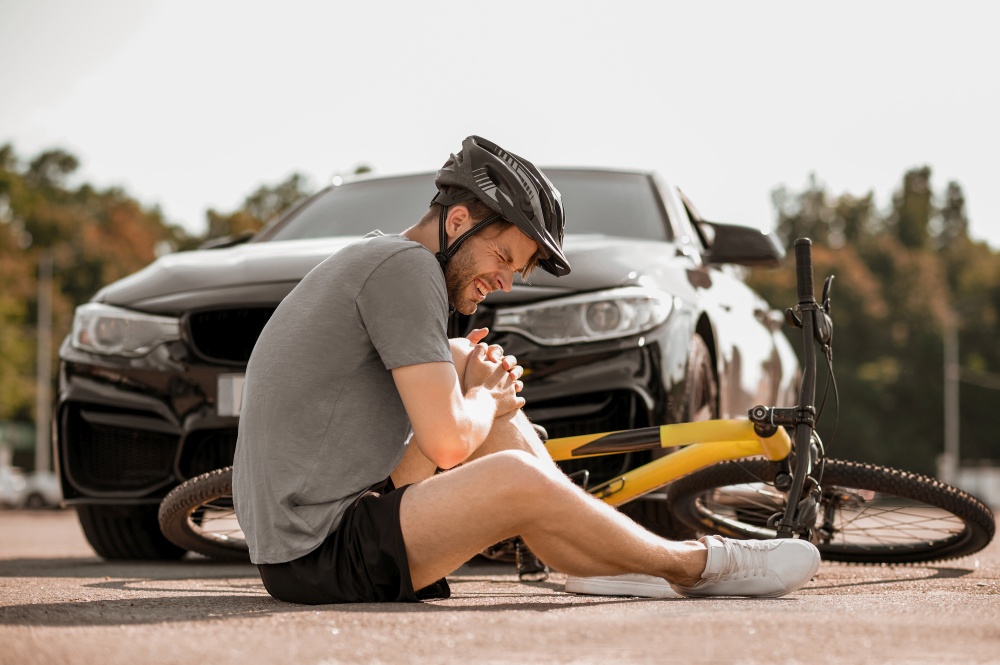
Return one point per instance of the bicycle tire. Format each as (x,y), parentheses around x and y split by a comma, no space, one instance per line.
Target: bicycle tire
(198,515)
(878,514)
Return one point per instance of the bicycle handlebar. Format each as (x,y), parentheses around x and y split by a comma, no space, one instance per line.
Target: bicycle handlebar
(804,271)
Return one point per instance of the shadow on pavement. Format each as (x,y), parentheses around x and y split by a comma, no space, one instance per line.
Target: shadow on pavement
(91,567)
(252,604)
(934,574)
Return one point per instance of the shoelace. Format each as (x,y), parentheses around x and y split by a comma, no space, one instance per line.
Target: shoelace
(746,559)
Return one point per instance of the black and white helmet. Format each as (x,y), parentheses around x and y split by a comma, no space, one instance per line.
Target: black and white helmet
(513,189)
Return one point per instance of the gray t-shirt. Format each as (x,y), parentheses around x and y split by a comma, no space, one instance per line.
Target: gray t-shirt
(322,420)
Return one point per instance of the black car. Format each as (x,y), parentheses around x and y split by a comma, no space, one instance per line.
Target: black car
(654,325)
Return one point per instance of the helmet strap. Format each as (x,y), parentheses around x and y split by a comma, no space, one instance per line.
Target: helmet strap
(442,255)
(445,253)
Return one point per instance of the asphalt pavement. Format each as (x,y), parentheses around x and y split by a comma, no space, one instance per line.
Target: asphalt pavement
(59,603)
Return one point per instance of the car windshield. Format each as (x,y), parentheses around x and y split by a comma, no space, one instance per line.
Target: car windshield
(603,202)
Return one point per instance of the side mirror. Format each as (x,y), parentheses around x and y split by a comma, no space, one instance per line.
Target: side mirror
(742,245)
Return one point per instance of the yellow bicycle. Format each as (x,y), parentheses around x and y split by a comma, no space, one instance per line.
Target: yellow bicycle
(764,477)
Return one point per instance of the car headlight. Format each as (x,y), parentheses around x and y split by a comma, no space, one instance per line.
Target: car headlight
(115,331)
(588,317)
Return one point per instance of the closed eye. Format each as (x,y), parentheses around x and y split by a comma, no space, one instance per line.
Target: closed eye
(507,260)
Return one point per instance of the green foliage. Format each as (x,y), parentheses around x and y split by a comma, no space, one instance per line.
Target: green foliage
(95,237)
(260,207)
(912,208)
(898,277)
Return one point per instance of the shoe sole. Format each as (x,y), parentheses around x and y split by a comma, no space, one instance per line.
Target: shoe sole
(609,587)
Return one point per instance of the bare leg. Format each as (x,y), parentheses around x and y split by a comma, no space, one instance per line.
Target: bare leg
(448,518)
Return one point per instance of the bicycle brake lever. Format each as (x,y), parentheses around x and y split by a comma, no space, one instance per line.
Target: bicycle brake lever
(825,300)
(792,319)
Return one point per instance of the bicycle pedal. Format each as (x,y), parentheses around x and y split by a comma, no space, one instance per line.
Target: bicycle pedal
(529,567)
(806,511)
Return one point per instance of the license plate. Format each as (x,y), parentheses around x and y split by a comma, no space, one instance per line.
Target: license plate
(230,395)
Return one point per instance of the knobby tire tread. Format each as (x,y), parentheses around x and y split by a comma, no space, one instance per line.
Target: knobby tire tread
(187,497)
(978,519)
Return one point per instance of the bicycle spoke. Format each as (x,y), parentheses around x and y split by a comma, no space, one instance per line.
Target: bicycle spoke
(875,525)
(217,523)
(867,513)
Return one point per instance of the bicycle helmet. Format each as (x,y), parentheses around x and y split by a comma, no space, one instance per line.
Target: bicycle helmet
(513,189)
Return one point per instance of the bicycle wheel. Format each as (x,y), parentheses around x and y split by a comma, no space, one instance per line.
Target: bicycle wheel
(868,513)
(198,515)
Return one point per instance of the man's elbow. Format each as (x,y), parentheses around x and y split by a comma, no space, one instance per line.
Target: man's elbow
(446,451)
(449,457)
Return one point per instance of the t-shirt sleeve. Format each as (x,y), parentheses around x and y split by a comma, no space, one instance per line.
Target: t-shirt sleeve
(404,307)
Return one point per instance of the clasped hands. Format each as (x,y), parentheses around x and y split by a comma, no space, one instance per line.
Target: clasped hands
(489,367)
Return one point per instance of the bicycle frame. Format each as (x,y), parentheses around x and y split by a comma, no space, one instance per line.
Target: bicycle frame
(701,444)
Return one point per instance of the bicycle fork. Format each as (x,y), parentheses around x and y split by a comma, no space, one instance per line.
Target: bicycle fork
(800,487)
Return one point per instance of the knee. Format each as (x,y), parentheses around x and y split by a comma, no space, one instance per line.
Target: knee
(524,476)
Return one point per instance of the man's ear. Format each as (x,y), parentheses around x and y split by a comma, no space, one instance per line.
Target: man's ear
(458,221)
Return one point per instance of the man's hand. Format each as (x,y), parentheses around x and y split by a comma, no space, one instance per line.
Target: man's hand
(495,353)
(484,370)
(452,406)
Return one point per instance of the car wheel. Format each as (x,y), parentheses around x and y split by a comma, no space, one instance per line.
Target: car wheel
(701,393)
(126,532)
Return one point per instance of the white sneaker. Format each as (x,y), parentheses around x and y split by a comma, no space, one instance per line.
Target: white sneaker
(763,568)
(633,584)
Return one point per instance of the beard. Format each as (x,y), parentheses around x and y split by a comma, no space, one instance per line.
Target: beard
(459,273)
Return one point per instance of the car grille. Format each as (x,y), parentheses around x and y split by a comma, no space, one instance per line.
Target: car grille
(460,325)
(207,450)
(105,457)
(227,335)
(591,414)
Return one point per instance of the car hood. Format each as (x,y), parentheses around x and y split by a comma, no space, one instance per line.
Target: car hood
(173,282)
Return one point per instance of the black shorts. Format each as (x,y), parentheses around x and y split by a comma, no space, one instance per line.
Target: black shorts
(363,561)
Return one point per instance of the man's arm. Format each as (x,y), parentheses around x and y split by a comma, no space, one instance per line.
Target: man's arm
(449,424)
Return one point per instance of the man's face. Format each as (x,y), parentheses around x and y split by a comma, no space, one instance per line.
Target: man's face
(486,263)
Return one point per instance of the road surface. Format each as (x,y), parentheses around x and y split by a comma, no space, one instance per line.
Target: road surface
(59,603)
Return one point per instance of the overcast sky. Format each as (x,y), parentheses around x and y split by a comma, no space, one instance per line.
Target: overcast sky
(193,104)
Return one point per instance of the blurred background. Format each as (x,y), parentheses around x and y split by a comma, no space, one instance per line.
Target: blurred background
(131,129)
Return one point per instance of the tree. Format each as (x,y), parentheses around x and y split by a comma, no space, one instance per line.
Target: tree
(95,238)
(891,297)
(954,226)
(803,215)
(50,168)
(913,208)
(260,207)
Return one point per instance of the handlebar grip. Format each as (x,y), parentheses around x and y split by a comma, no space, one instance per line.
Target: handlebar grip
(804,270)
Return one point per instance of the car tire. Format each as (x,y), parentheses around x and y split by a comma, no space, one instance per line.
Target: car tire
(126,532)
(701,392)
(701,387)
